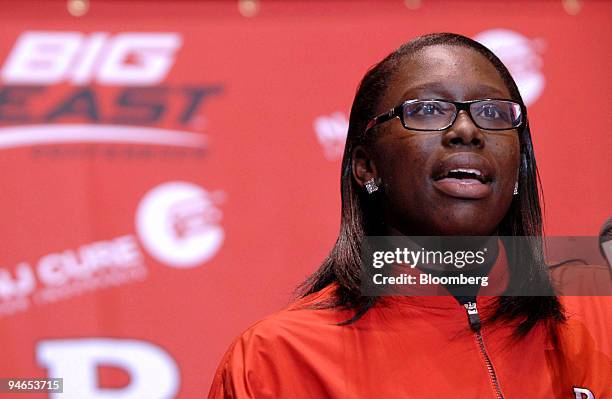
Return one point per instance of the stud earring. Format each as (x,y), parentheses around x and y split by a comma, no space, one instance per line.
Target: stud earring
(371,186)
(515,189)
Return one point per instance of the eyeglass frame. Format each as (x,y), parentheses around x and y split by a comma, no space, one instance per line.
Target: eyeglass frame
(397,112)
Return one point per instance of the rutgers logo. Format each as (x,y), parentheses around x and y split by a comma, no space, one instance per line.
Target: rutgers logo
(153,372)
(583,393)
(131,59)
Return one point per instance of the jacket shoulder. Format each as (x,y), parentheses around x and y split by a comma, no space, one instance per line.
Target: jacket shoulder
(280,344)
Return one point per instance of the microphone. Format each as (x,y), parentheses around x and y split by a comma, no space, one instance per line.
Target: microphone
(605,241)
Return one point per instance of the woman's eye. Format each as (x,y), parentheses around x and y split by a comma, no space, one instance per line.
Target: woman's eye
(427,110)
(490,112)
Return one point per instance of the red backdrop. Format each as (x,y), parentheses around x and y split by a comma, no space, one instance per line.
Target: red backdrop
(170,169)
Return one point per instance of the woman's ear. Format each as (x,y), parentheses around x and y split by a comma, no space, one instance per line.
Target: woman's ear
(363,166)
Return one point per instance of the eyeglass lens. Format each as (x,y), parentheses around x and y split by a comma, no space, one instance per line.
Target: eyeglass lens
(436,115)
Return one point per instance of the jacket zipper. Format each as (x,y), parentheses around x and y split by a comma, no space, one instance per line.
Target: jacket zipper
(474,320)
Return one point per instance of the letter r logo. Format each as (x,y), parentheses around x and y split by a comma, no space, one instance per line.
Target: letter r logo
(583,393)
(153,373)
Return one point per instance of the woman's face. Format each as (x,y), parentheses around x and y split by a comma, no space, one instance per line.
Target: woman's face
(419,197)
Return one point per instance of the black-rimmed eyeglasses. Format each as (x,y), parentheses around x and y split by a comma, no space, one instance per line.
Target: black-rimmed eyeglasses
(435,115)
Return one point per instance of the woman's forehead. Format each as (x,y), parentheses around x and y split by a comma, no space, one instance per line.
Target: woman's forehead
(449,72)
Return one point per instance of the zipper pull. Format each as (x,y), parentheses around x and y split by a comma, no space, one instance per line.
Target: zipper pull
(473,316)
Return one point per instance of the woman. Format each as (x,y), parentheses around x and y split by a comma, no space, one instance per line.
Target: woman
(426,168)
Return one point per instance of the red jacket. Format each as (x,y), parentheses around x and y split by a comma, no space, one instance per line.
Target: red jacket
(417,347)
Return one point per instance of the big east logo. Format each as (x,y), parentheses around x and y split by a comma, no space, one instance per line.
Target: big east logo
(108,83)
(137,59)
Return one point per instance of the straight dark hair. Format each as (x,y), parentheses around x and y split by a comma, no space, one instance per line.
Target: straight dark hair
(359,218)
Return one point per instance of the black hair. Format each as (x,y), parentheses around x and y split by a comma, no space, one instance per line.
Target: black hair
(523,218)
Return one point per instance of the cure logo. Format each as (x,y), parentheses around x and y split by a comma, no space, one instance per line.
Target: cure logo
(45,58)
(178,224)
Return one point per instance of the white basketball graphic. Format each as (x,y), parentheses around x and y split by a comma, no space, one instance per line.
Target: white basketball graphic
(178,224)
(331,132)
(521,55)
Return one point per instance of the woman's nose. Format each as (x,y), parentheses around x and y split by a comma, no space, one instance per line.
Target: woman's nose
(463,132)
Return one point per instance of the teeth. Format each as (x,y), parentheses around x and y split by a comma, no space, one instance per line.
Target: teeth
(473,171)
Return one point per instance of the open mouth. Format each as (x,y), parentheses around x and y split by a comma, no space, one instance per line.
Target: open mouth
(464,176)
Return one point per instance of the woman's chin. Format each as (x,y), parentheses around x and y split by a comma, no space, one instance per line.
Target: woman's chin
(455,225)
(467,228)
